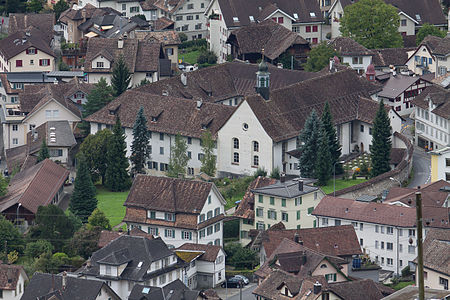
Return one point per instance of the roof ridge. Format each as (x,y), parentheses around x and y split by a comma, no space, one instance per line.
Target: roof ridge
(34,177)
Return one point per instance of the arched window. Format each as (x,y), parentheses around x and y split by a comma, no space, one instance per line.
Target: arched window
(255,146)
(236,157)
(256,160)
(235,143)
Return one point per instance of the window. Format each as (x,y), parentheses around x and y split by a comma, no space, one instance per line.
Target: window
(355,224)
(255,160)
(283,202)
(189,154)
(162,279)
(377,228)
(170,233)
(124,7)
(152,230)
(382,245)
(389,261)
(202,233)
(100,64)
(151,214)
(15,141)
(443,282)
(337,222)
(315,195)
(15,127)
(200,156)
(400,248)
(362,128)
(31,51)
(209,215)
(357,60)
(55,152)
(236,157)
(315,40)
(376,244)
(107,269)
(134,9)
(44,62)
(161,136)
(161,150)
(315,28)
(280,20)
(18,63)
(411,249)
(382,229)
(272,201)
(271,214)
(382,260)
(310,210)
(189,18)
(330,277)
(284,216)
(202,5)
(389,230)
(189,141)
(298,215)
(402,22)
(235,143)
(411,232)
(209,230)
(389,246)
(169,51)
(197,17)
(308,28)
(325,221)
(186,235)
(217,227)
(169,217)
(298,201)
(259,212)
(361,226)
(361,242)
(255,146)
(190,6)
(13,99)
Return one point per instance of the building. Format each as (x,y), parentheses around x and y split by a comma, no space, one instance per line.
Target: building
(51,286)
(440,164)
(412,292)
(399,91)
(432,122)
(39,185)
(421,60)
(386,232)
(355,55)
(190,18)
(168,38)
(111,26)
(12,281)
(143,58)
(383,59)
(27,51)
(178,211)
(45,22)
(274,42)
(207,264)
(130,260)
(176,290)
(412,15)
(303,17)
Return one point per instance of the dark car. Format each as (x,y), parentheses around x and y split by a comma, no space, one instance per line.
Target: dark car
(233,283)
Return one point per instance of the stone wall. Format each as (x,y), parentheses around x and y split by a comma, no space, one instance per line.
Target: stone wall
(377,185)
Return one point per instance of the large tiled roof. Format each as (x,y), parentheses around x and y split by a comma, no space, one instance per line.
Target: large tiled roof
(431,194)
(443,47)
(166,37)
(358,289)
(88,11)
(107,236)
(335,240)
(390,56)
(174,115)
(35,186)
(63,136)
(246,208)
(347,47)
(396,85)
(210,251)
(176,290)
(284,115)
(436,256)
(307,11)
(439,96)
(432,42)
(43,22)
(9,276)
(274,38)
(138,55)
(19,41)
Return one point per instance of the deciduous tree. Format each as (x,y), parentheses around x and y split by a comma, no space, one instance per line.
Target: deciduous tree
(208,159)
(178,158)
(43,152)
(427,30)
(98,219)
(59,7)
(94,148)
(319,57)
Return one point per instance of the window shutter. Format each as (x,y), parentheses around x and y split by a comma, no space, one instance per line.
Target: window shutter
(287,217)
(36,51)
(268,214)
(26,51)
(182,235)
(190,235)
(334,277)
(275,215)
(40,62)
(165,232)
(173,233)
(156,231)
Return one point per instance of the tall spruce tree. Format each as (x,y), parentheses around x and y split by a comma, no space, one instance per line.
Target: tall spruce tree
(333,142)
(43,152)
(140,150)
(380,151)
(323,160)
(121,77)
(178,158)
(99,96)
(308,147)
(83,201)
(209,159)
(117,178)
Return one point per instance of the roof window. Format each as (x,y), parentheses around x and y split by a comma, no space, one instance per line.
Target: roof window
(251,18)
(312,14)
(235,19)
(296,16)
(418,17)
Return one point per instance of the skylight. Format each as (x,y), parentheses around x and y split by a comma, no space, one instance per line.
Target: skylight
(235,19)
(418,17)
(295,15)
(145,290)
(251,18)
(139,264)
(312,14)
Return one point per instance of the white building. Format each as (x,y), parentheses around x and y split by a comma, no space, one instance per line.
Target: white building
(355,55)
(178,210)
(190,18)
(12,284)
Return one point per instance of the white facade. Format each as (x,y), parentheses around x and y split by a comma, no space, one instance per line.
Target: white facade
(190,18)
(431,130)
(127,8)
(30,60)
(421,61)
(358,63)
(16,293)
(387,245)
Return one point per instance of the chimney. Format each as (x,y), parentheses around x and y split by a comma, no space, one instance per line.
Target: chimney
(53,283)
(317,288)
(296,238)
(120,43)
(283,178)
(300,185)
(183,78)
(64,280)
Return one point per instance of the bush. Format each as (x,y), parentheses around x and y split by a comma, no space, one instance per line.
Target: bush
(183,37)
(364,169)
(231,229)
(207,57)
(275,173)
(200,43)
(35,249)
(406,271)
(260,172)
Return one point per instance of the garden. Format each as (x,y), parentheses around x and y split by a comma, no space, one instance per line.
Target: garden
(195,52)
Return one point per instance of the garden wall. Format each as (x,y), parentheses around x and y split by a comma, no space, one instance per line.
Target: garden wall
(377,185)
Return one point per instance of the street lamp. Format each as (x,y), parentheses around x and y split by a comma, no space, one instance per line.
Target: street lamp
(393,179)
(17,213)
(334,176)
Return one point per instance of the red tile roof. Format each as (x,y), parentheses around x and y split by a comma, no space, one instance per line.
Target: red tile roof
(210,251)
(9,276)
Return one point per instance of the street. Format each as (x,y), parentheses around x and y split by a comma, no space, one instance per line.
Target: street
(233,293)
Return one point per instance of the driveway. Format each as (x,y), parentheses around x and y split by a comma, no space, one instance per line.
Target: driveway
(233,293)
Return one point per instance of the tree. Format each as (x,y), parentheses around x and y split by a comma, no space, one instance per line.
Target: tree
(83,201)
(121,77)
(10,237)
(98,219)
(427,30)
(35,249)
(84,242)
(319,57)
(140,150)
(380,151)
(275,173)
(43,152)
(372,23)
(117,178)
(35,6)
(3,185)
(183,37)
(333,141)
(308,145)
(99,96)
(93,149)
(178,158)
(323,161)
(208,159)
(52,225)
(143,82)
(288,61)
(59,7)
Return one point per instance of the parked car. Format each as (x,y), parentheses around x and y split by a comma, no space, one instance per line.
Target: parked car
(233,283)
(243,278)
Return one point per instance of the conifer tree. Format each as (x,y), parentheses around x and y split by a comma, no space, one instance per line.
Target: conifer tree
(140,150)
(323,160)
(333,142)
(121,77)
(308,147)
(178,158)
(380,151)
(209,159)
(99,96)
(117,178)
(43,152)
(83,201)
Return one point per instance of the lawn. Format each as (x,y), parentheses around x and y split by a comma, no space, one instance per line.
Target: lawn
(190,56)
(111,203)
(401,285)
(340,184)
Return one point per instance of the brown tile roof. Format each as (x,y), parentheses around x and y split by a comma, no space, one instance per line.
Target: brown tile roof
(167,37)
(173,115)
(16,156)
(9,276)
(357,290)
(6,85)
(19,41)
(244,9)
(335,240)
(274,38)
(246,207)
(43,22)
(436,256)
(283,116)
(443,48)
(35,186)
(432,42)
(439,96)
(431,194)
(162,23)
(390,56)
(347,46)
(138,55)
(182,220)
(107,236)
(89,12)
(210,251)
(409,41)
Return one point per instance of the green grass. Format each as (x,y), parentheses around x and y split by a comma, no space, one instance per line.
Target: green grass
(340,184)
(190,56)
(401,285)
(111,203)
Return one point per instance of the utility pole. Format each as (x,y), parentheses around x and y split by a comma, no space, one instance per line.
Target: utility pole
(420,245)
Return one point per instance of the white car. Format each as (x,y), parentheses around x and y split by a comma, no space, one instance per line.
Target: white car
(243,278)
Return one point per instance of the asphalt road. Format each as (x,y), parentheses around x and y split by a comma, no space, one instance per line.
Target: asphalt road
(421,165)
(233,294)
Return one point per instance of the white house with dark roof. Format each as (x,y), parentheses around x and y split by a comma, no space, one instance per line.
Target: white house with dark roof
(12,281)
(177,210)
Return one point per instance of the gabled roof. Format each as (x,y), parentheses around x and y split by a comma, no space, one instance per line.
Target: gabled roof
(88,11)
(246,208)
(44,286)
(397,84)
(176,290)
(287,189)
(358,289)
(55,133)
(107,236)
(438,96)
(436,256)
(35,186)
(348,47)
(274,38)
(20,41)
(162,23)
(9,276)
(390,56)
(210,252)
(166,37)
(42,21)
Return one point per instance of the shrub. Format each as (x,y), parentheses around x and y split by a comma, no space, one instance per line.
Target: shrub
(275,173)
(183,37)
(364,169)
(260,172)
(35,249)
(406,271)
(201,43)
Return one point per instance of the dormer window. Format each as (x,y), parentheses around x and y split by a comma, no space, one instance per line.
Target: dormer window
(170,217)
(31,51)
(154,119)
(235,19)
(100,64)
